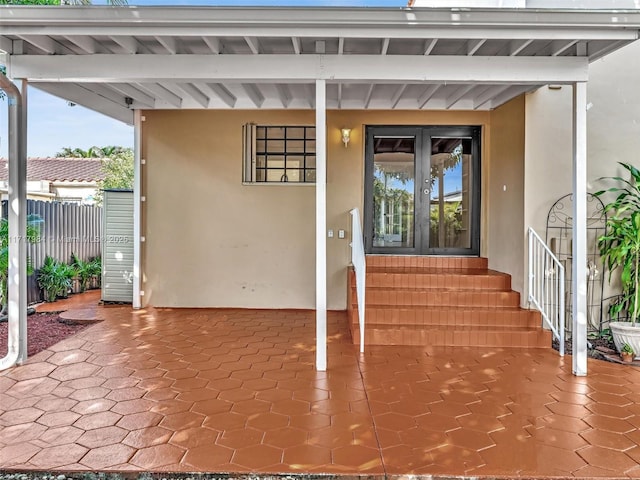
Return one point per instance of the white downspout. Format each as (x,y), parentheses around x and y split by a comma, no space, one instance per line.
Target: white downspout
(17,278)
(137,206)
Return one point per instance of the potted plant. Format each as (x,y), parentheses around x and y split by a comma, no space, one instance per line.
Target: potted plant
(54,278)
(627,354)
(620,251)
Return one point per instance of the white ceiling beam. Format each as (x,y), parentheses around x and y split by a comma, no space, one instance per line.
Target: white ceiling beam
(582,49)
(398,95)
(213,43)
(170,44)
(341,46)
(193,92)
(509,93)
(6,45)
(253,44)
(163,94)
(137,95)
(339,95)
(474,45)
(385,46)
(311,94)
(429,45)
(516,46)
(222,93)
(105,91)
(300,68)
(18,47)
(457,95)
(427,95)
(82,96)
(594,54)
(559,46)
(297,48)
(254,93)
(85,43)
(129,44)
(43,42)
(486,96)
(284,94)
(369,95)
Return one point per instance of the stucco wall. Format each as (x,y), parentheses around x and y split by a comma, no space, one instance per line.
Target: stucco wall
(613,133)
(504,194)
(212,241)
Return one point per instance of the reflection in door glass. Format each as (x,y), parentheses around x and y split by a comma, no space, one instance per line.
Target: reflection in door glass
(393,191)
(450,200)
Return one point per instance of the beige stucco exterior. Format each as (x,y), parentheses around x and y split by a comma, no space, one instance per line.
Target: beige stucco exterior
(212,241)
(504,196)
(613,122)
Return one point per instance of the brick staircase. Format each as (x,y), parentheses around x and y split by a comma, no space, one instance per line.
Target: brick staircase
(442,301)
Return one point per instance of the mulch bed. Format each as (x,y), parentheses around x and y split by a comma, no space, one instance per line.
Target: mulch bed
(43,330)
(599,348)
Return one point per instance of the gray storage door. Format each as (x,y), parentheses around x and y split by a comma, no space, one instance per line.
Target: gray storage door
(117,246)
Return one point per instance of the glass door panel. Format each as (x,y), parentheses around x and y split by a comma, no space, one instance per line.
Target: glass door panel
(450,201)
(422,192)
(394,167)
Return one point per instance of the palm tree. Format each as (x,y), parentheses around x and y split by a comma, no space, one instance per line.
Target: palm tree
(91,152)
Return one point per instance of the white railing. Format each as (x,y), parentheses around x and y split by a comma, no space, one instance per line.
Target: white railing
(360,266)
(546,285)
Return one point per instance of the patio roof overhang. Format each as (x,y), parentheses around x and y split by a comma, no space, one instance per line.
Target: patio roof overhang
(116,60)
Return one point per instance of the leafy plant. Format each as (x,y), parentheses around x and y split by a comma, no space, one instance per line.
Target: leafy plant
(620,246)
(54,278)
(95,270)
(82,271)
(626,348)
(33,234)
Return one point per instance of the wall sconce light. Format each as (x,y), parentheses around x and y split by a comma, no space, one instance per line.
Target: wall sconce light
(346,136)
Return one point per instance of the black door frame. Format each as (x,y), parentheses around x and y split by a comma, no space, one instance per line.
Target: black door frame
(423,136)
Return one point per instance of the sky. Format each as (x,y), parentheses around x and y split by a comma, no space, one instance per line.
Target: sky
(53,124)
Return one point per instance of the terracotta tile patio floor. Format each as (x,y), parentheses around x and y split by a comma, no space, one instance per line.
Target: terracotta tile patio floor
(236,391)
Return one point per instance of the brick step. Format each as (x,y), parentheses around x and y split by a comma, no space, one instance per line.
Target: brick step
(410,277)
(520,337)
(442,301)
(437,297)
(452,317)
(426,261)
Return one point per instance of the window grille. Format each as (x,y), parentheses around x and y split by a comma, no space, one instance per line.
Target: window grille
(279,154)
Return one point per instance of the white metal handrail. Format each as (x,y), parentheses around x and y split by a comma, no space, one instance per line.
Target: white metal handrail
(360,266)
(546,285)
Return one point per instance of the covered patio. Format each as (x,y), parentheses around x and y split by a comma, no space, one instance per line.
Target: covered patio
(236,391)
(123,62)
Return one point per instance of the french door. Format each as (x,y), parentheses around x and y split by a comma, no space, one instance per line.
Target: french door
(422,190)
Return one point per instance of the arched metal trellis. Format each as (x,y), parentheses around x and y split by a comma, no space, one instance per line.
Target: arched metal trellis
(559,238)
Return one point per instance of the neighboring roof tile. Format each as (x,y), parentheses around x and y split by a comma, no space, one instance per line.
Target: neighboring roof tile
(59,169)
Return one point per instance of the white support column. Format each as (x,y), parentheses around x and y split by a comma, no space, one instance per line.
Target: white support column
(137,215)
(321,225)
(18,229)
(579,250)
